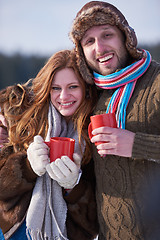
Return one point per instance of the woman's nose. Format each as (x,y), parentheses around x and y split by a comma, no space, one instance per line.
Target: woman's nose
(64,94)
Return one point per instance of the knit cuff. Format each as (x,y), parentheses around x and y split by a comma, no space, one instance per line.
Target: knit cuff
(146,146)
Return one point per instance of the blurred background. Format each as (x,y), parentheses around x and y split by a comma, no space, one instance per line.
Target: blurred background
(32,30)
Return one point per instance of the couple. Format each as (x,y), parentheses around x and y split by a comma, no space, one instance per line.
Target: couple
(127,82)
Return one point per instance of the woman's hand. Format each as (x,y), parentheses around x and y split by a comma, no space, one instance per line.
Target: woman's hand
(37,154)
(65,171)
(117,141)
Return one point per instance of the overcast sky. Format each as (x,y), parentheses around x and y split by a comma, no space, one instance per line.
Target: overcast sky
(42,26)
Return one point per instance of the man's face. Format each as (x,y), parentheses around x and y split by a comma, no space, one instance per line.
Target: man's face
(104,49)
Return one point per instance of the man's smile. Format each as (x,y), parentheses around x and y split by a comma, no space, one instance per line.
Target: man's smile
(105,58)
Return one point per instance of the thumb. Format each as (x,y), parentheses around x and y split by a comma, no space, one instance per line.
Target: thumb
(38,139)
(3,120)
(77,159)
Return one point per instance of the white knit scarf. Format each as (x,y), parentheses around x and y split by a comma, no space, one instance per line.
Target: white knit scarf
(46,216)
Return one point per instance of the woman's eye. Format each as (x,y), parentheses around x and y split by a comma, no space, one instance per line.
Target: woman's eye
(73,86)
(56,88)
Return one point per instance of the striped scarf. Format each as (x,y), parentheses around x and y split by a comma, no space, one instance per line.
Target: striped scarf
(125,81)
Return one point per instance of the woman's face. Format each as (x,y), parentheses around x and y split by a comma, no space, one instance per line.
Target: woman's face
(66,92)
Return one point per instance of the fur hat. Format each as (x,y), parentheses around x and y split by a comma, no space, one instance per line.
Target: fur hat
(96,13)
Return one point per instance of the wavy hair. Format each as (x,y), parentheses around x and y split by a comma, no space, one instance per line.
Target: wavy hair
(27,105)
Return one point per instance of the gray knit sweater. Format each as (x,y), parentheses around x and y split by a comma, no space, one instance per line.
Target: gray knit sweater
(128,192)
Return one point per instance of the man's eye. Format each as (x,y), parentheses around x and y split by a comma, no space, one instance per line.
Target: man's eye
(89,41)
(107,34)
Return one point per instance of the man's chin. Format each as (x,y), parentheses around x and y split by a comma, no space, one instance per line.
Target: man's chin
(105,72)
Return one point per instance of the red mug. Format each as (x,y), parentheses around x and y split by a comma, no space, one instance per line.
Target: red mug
(60,146)
(101,120)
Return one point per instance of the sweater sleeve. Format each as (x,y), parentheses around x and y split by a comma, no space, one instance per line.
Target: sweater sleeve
(146,146)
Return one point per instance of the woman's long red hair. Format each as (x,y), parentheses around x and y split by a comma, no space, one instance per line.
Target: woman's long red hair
(26,108)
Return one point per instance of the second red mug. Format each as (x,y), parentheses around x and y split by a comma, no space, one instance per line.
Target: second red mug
(101,120)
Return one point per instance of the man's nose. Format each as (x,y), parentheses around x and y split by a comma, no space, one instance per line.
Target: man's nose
(99,46)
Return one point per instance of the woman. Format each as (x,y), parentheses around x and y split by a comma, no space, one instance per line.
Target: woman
(30,111)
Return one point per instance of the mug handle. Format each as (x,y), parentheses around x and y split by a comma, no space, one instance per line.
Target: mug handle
(47,143)
(90,130)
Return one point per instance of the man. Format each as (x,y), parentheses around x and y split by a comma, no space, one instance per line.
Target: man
(127,164)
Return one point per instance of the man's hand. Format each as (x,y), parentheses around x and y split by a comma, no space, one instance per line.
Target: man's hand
(117,141)
(3,130)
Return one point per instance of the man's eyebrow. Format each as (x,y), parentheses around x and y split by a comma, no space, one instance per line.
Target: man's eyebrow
(103,28)
(84,37)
